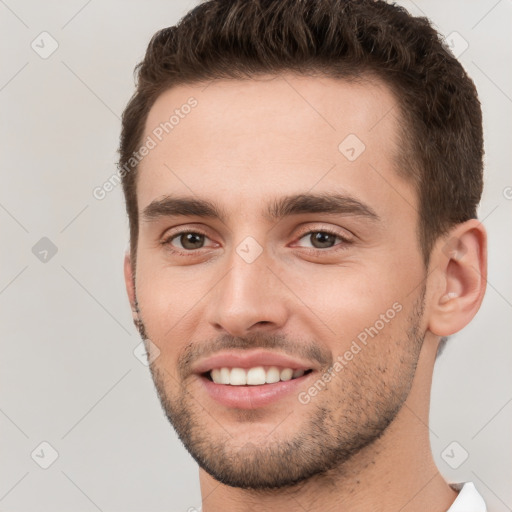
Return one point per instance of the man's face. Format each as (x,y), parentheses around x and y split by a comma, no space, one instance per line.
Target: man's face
(280,291)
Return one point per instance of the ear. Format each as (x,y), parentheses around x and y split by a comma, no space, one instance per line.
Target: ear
(129,281)
(460,263)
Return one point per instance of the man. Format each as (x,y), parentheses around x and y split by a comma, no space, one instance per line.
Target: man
(301,180)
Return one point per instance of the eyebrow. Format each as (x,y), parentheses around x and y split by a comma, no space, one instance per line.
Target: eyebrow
(278,208)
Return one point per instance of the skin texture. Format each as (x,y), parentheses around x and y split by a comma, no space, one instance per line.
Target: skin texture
(363,440)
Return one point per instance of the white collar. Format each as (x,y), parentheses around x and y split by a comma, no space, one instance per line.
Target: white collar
(468,500)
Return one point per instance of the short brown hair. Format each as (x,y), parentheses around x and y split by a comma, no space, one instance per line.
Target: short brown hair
(441,130)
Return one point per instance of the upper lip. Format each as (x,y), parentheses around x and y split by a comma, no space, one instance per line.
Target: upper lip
(249,359)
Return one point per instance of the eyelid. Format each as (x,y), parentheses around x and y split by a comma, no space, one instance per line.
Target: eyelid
(184,228)
(341,233)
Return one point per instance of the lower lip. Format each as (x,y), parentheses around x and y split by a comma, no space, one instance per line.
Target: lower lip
(252,397)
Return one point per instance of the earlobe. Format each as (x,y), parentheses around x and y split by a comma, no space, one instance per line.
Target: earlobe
(460,259)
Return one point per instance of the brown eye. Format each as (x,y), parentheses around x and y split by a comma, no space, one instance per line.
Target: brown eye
(322,239)
(191,241)
(188,240)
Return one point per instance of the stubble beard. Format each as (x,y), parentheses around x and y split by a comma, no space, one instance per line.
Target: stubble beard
(328,435)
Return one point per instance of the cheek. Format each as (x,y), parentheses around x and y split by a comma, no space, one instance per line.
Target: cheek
(347,299)
(166,294)
(168,300)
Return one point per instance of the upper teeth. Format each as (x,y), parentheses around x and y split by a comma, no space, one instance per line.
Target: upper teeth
(253,376)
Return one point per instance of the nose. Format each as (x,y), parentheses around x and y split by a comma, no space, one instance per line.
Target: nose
(249,297)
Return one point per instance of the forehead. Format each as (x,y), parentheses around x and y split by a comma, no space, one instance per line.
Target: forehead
(245,139)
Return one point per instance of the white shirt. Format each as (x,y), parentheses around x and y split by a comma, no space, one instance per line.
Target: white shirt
(468,500)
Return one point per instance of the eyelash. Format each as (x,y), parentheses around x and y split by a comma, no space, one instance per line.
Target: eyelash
(345,241)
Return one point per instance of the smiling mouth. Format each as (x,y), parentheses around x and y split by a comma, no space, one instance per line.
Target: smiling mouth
(255,376)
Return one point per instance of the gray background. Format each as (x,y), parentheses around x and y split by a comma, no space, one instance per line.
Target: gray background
(68,371)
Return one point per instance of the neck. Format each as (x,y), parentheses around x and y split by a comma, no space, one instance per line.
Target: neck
(396,472)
